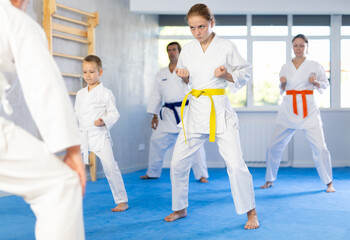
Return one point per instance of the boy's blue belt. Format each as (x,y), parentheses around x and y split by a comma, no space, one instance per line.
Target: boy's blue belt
(172,107)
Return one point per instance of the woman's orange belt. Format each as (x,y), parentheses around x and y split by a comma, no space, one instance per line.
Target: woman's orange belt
(303,96)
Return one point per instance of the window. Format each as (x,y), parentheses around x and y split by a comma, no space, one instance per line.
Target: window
(269,30)
(230,30)
(268,58)
(311,30)
(269,25)
(311,25)
(239,98)
(345,62)
(345,73)
(345,28)
(174,31)
(319,51)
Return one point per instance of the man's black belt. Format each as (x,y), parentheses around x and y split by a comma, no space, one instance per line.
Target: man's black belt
(172,107)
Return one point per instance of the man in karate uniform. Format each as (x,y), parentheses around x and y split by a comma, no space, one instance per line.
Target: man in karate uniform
(169,88)
(28,166)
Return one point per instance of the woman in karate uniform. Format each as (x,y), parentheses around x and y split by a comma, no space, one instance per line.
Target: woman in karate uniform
(210,64)
(299,110)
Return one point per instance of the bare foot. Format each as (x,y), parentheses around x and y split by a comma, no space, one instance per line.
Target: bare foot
(252,222)
(176,215)
(147,177)
(203,180)
(121,207)
(267,185)
(330,187)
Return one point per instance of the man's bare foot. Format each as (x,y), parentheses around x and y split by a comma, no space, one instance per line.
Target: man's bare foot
(267,185)
(147,177)
(176,215)
(252,222)
(330,187)
(144,176)
(121,207)
(203,180)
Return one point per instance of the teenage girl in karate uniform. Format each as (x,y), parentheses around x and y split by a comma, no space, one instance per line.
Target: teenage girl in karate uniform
(210,64)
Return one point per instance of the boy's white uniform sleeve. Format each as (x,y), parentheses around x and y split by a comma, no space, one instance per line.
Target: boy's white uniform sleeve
(239,68)
(112,115)
(43,88)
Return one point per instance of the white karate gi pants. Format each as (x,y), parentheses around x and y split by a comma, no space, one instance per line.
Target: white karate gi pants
(48,185)
(279,140)
(230,149)
(112,172)
(160,142)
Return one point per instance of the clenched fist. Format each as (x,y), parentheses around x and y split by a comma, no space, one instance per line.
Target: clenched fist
(99,122)
(221,72)
(154,123)
(283,81)
(313,80)
(183,74)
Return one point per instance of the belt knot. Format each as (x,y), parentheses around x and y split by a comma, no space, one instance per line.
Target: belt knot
(197,93)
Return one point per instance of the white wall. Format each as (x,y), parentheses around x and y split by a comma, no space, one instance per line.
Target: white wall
(244,7)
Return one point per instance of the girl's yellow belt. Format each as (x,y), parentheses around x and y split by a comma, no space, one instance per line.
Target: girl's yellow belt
(209,93)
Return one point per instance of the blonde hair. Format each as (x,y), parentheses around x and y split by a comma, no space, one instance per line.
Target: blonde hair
(200,10)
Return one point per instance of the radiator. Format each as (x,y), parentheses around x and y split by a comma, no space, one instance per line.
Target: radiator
(255,136)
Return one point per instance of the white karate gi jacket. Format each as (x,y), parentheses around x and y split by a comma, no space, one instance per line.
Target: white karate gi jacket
(201,67)
(298,79)
(90,106)
(53,116)
(167,88)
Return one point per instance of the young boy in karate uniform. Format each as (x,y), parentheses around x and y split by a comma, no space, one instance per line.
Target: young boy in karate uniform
(96,112)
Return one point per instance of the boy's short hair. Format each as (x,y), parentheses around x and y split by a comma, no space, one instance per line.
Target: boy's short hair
(95,59)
